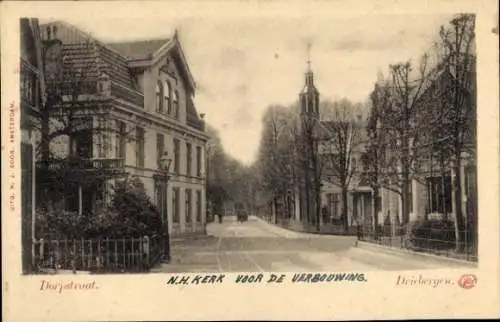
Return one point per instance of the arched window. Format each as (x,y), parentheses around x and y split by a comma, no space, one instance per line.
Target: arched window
(159,95)
(167,95)
(176,104)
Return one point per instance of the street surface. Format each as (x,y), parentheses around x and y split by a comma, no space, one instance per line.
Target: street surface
(256,246)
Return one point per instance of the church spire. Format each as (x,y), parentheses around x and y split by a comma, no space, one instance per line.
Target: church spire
(309,97)
(309,56)
(309,73)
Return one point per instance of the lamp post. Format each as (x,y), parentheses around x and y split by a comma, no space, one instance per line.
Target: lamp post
(163,177)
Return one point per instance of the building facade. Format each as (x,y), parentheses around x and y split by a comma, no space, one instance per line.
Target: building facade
(135,108)
(31,100)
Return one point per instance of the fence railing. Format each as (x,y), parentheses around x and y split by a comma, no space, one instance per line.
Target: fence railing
(123,92)
(84,163)
(324,228)
(98,255)
(433,240)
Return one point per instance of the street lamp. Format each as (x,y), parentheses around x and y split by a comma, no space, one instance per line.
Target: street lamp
(164,165)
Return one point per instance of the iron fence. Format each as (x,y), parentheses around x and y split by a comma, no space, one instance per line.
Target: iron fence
(98,255)
(433,240)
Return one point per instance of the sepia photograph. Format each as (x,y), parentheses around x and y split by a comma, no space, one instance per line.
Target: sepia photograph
(132,159)
(250,160)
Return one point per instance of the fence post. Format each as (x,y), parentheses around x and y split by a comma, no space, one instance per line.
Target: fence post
(90,253)
(146,250)
(65,253)
(107,251)
(99,264)
(124,256)
(73,257)
(56,255)
(132,250)
(42,248)
(116,253)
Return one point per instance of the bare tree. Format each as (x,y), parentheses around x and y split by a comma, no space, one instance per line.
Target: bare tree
(375,149)
(276,157)
(77,106)
(405,122)
(457,98)
(338,146)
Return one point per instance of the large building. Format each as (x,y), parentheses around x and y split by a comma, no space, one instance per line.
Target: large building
(319,189)
(131,108)
(430,191)
(31,99)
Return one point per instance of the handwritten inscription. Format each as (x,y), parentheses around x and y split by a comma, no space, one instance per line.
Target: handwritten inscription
(197,279)
(262,278)
(59,287)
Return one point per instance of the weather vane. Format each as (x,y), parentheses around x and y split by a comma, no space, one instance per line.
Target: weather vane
(309,55)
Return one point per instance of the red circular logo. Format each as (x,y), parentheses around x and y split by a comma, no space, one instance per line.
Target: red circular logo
(467,281)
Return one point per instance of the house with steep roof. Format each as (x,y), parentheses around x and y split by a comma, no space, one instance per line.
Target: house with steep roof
(141,98)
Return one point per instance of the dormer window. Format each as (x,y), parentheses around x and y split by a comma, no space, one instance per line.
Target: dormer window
(159,95)
(104,84)
(176,104)
(168,94)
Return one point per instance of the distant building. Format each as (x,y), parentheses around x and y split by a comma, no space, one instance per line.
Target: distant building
(140,98)
(431,193)
(323,196)
(31,100)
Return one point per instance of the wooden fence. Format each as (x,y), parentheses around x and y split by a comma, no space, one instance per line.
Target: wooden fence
(98,255)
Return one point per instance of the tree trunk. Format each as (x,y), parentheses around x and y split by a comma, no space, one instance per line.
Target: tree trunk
(318,207)
(375,212)
(405,196)
(345,217)
(459,220)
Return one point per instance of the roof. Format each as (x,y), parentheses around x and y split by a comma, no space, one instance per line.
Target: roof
(135,50)
(81,55)
(119,59)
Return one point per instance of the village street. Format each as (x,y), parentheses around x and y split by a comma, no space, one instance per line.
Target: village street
(256,246)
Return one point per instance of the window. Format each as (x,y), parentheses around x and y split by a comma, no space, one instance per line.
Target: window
(175,205)
(160,148)
(353,163)
(198,206)
(139,147)
(176,104)
(198,161)
(81,145)
(48,32)
(188,205)
(333,205)
(159,94)
(177,156)
(188,159)
(121,129)
(439,194)
(167,95)
(103,139)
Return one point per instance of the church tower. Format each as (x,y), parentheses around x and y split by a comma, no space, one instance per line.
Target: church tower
(308,165)
(309,97)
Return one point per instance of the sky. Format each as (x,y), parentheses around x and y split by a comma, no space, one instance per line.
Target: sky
(243,65)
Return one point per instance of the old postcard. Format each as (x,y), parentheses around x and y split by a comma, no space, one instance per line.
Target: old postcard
(249,160)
